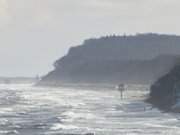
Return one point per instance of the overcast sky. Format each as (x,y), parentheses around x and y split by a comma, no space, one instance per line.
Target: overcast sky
(34,33)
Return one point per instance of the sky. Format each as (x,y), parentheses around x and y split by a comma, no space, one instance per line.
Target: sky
(35,33)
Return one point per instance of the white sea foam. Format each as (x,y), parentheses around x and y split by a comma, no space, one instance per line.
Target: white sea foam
(30,110)
(58,126)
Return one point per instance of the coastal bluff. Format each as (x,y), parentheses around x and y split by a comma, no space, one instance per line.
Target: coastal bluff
(140,58)
(165,92)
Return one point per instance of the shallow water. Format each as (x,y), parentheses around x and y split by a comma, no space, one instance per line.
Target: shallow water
(27,110)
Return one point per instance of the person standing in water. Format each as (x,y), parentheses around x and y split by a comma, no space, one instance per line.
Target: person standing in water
(121,89)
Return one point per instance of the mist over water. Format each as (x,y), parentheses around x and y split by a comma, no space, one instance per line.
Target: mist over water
(27,110)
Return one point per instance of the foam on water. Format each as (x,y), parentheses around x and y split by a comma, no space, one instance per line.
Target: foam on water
(58,126)
(27,110)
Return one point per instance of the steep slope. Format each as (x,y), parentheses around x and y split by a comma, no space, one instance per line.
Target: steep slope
(115,59)
(164,92)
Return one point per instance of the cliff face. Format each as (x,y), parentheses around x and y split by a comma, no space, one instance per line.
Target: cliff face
(116,59)
(164,92)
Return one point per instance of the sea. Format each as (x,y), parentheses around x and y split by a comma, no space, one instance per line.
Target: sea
(29,110)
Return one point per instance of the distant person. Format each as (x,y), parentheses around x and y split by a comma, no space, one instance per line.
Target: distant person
(121,89)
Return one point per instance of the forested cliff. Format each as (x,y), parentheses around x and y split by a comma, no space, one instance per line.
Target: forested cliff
(139,58)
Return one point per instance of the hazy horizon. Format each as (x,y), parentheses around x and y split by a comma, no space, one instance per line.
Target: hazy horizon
(35,33)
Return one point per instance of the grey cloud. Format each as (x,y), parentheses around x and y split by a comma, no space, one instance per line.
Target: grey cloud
(43,30)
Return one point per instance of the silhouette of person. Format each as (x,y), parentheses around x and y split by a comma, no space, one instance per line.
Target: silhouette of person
(121,89)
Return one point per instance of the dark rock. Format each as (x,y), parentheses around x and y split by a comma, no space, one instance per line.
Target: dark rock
(163,94)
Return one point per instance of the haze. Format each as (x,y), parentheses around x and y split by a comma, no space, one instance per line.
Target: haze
(34,33)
